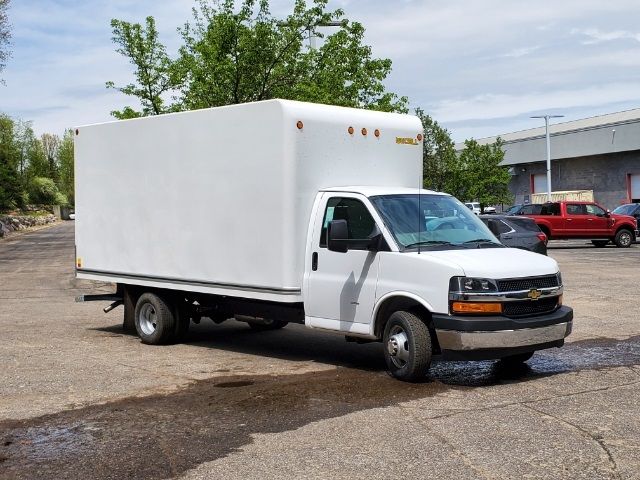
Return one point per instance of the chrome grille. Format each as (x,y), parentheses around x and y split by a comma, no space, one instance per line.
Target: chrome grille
(517,284)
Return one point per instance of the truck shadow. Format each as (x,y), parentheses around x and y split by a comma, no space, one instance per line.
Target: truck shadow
(298,344)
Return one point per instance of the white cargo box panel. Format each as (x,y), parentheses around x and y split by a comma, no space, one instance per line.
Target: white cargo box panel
(218,200)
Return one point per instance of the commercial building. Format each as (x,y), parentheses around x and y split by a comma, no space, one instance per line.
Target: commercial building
(600,153)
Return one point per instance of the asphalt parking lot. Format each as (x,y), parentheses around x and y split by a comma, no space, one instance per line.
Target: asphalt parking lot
(81,399)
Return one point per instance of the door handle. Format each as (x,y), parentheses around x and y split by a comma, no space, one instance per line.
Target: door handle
(569,219)
(507,237)
(314,261)
(590,219)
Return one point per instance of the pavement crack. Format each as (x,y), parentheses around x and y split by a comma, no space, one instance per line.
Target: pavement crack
(455,450)
(586,433)
(527,402)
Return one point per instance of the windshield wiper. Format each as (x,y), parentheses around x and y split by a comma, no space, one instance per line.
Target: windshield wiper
(429,242)
(483,241)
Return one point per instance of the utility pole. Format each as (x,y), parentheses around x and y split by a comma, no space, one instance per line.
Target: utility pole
(546,125)
(312,37)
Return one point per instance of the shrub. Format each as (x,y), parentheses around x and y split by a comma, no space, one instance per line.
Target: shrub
(43,191)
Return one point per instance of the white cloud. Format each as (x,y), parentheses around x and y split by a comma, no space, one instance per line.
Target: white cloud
(595,35)
(493,106)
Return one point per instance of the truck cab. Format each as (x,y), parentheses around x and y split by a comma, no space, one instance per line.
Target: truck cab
(420,272)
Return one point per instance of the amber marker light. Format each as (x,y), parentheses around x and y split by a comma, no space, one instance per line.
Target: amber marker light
(476,307)
(350,130)
(377,133)
(364,131)
(299,125)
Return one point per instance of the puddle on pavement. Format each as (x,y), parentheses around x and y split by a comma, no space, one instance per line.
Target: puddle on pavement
(161,436)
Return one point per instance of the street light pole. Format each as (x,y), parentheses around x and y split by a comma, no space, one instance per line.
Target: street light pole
(546,126)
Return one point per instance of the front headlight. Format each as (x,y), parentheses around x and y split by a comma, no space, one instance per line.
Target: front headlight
(472,285)
(559,275)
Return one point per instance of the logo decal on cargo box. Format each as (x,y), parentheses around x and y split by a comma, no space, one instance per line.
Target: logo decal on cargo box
(406,141)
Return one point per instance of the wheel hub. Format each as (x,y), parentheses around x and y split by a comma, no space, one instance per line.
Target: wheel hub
(398,347)
(148,319)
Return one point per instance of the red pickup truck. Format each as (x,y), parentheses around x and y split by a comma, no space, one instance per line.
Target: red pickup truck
(588,220)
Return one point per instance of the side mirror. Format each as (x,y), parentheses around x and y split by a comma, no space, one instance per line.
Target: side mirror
(337,236)
(608,214)
(493,226)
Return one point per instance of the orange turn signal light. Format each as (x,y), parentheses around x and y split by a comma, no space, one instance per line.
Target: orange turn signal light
(476,307)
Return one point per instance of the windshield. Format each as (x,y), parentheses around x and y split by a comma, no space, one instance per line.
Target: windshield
(625,209)
(513,210)
(443,222)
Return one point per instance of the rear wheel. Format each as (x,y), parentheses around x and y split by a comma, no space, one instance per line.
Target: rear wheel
(407,346)
(600,243)
(624,238)
(155,320)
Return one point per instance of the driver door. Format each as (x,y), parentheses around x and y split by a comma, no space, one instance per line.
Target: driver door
(341,287)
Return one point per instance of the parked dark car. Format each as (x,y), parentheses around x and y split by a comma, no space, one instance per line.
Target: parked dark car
(524,209)
(517,232)
(631,209)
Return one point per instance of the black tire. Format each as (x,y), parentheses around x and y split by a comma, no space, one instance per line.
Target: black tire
(516,359)
(546,231)
(624,238)
(155,320)
(267,324)
(600,243)
(407,346)
(183,321)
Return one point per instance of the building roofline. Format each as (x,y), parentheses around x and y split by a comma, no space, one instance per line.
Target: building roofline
(583,124)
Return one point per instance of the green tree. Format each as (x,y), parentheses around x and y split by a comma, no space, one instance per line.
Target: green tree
(50,145)
(38,164)
(234,55)
(66,166)
(442,169)
(487,182)
(154,72)
(5,34)
(11,193)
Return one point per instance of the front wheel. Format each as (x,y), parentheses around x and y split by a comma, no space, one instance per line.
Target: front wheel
(623,238)
(407,346)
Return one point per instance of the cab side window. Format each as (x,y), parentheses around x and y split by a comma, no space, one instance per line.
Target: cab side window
(595,210)
(360,222)
(576,209)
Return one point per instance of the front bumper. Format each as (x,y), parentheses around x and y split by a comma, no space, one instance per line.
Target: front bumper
(478,338)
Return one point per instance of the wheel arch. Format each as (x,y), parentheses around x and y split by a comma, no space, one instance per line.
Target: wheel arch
(395,301)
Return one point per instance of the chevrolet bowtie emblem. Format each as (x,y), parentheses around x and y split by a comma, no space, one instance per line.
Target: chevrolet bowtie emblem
(534,294)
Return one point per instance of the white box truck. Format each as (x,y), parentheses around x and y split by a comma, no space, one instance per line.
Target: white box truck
(282,211)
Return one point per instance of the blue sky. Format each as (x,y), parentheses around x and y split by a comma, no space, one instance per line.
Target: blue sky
(479,68)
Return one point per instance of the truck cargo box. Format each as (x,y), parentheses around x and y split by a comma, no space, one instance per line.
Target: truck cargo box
(218,200)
